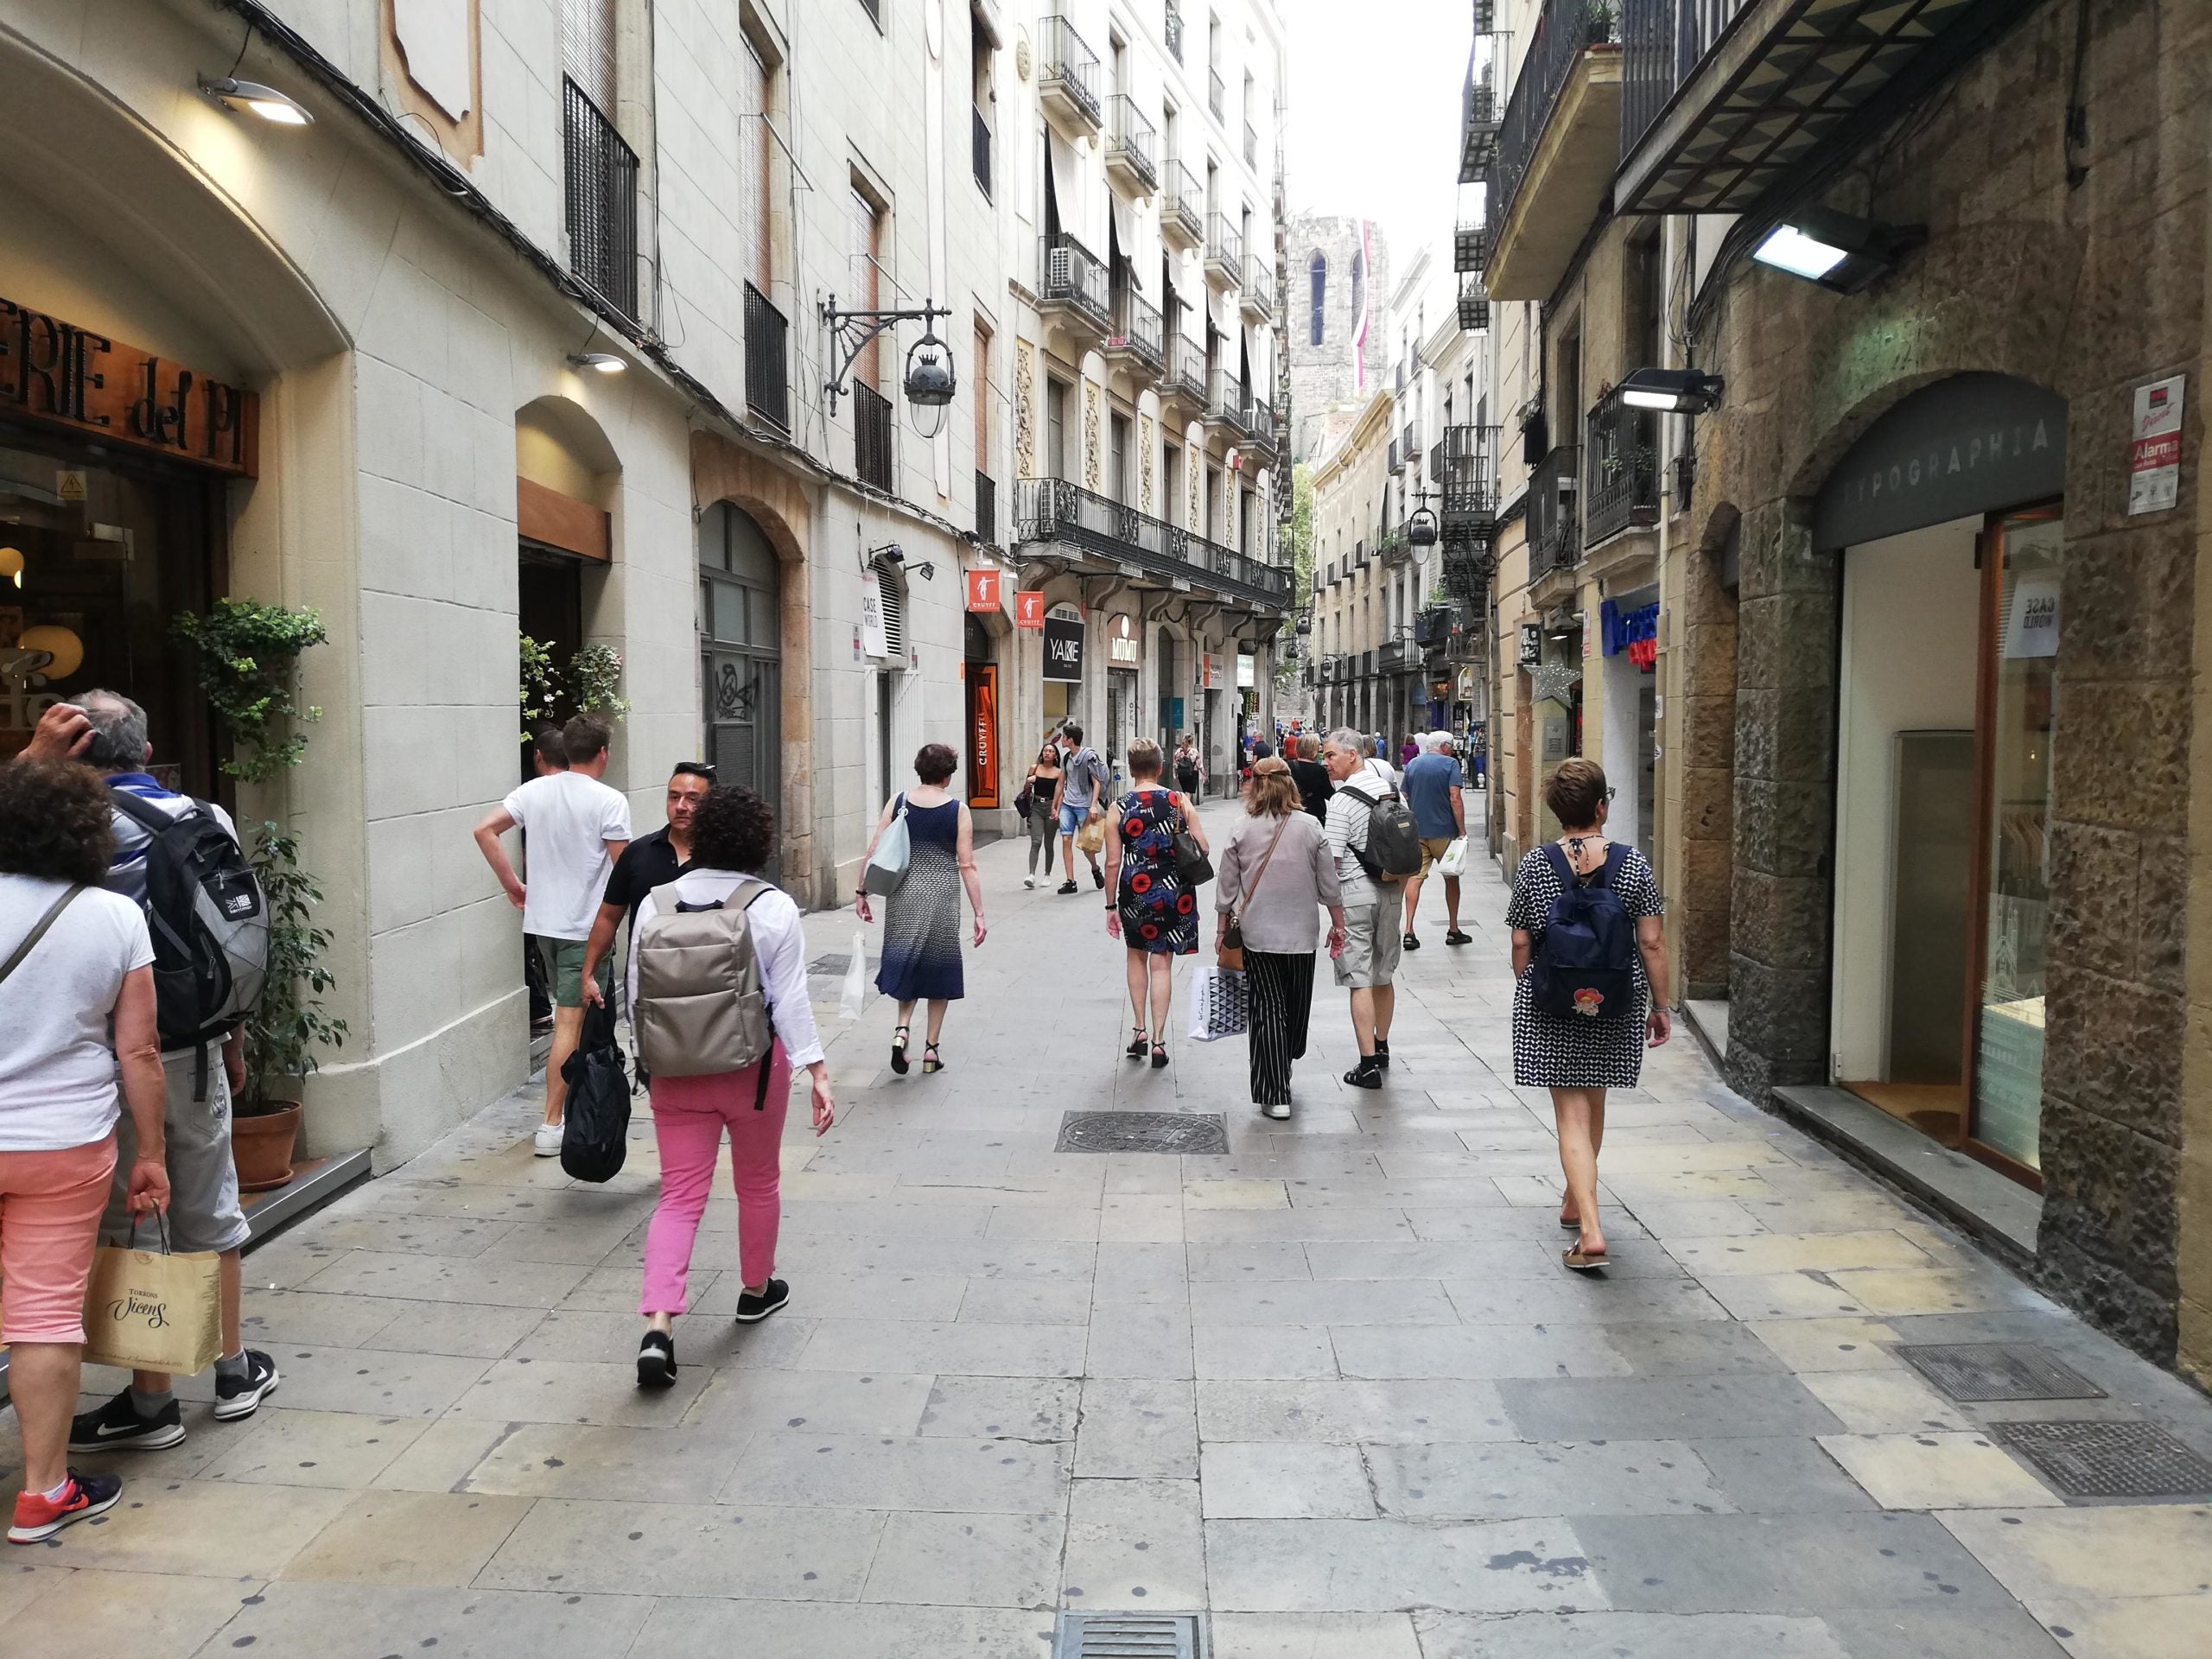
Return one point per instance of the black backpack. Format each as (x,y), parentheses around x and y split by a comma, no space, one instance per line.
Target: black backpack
(1585,963)
(1393,850)
(595,1128)
(1186,774)
(209,921)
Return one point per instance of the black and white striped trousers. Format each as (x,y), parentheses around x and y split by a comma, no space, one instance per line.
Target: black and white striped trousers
(1281,989)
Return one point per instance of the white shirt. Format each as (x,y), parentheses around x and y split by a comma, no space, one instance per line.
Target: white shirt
(1346,828)
(779,945)
(1386,777)
(57,1037)
(570,819)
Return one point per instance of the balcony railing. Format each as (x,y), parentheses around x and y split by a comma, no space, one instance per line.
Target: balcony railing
(1067,67)
(1620,482)
(601,199)
(1412,445)
(1138,330)
(1469,246)
(1394,545)
(1251,145)
(1229,404)
(986,510)
(1478,124)
(767,372)
(1225,246)
(1053,510)
(1468,472)
(1259,287)
(1183,376)
(1173,32)
(1131,143)
(1182,204)
(1563,33)
(1259,422)
(1216,92)
(1397,656)
(1554,542)
(872,435)
(983,141)
(1434,626)
(1436,461)
(1474,303)
(1070,275)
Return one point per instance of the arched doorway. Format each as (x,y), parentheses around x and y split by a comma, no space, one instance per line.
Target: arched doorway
(741,633)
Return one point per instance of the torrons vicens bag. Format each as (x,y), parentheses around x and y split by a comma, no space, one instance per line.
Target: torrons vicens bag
(701,1007)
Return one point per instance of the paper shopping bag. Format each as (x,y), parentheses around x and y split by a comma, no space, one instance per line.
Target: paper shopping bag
(1090,838)
(151,1310)
(1219,1005)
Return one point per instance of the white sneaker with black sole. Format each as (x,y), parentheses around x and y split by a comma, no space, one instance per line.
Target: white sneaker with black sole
(117,1426)
(239,1396)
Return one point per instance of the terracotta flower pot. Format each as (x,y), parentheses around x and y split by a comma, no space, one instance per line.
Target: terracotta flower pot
(261,1146)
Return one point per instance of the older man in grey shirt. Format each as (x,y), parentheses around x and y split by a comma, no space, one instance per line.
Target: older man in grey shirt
(1370,959)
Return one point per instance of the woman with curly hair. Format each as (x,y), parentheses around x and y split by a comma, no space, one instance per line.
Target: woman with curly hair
(732,834)
(76,1010)
(1153,911)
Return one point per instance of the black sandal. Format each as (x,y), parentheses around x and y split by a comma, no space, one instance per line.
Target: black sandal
(1159,1056)
(1137,1046)
(930,1059)
(898,1049)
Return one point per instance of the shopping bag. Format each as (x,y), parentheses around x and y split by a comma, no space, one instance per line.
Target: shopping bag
(1454,861)
(595,1131)
(894,851)
(153,1311)
(854,996)
(1219,1005)
(1090,839)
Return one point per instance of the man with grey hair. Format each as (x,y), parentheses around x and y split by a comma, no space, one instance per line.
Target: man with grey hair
(1369,961)
(204,1213)
(1433,784)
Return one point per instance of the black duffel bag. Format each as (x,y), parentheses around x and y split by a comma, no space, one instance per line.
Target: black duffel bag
(596,1133)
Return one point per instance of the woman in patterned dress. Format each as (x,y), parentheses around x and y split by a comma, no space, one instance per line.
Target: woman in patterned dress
(1578,1060)
(921,920)
(1152,910)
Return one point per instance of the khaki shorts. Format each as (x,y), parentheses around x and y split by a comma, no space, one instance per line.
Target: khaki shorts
(564,970)
(1372,945)
(203,1212)
(1431,848)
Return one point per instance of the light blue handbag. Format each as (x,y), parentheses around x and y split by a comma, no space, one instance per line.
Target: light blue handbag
(894,851)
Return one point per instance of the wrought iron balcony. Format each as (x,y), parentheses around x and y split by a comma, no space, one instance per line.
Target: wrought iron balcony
(1397,460)
(1251,145)
(1397,657)
(1131,146)
(1554,543)
(1478,124)
(1224,253)
(1568,33)
(1260,429)
(1433,626)
(1072,283)
(1467,470)
(1258,300)
(986,510)
(1183,374)
(1229,407)
(1474,303)
(1620,485)
(982,143)
(1182,208)
(1471,246)
(1411,445)
(602,180)
(1138,336)
(1466,643)
(1172,31)
(1394,546)
(1067,76)
(1052,512)
(871,435)
(767,372)
(1217,94)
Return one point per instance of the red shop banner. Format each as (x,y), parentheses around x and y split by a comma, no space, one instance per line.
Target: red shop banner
(1029,608)
(983,589)
(982,735)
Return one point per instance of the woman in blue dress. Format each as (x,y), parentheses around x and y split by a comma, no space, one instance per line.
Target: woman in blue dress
(1151,912)
(921,920)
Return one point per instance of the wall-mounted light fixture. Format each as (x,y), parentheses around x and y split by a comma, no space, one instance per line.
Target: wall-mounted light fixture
(929,381)
(1678,392)
(600,362)
(1835,250)
(251,97)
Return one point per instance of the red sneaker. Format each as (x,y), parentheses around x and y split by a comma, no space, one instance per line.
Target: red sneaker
(38,1517)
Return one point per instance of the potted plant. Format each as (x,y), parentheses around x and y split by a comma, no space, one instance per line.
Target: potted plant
(249,655)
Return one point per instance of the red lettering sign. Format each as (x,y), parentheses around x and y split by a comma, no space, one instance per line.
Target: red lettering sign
(1029,608)
(983,590)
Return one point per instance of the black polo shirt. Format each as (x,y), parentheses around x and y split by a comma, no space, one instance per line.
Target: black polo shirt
(647,862)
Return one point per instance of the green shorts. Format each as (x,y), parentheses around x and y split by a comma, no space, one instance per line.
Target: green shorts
(563,961)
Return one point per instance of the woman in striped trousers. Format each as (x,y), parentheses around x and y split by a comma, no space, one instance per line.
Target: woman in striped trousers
(1276,877)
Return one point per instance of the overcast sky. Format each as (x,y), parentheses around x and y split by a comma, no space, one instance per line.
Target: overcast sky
(1374,122)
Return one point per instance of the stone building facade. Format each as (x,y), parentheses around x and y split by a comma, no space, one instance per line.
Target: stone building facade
(1337,266)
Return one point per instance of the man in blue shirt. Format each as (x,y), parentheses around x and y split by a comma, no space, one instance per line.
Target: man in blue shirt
(1433,783)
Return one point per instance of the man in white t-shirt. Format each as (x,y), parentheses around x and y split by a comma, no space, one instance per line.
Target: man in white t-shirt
(576,828)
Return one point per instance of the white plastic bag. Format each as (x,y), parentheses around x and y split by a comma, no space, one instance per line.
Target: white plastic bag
(1454,861)
(855,994)
(1220,1005)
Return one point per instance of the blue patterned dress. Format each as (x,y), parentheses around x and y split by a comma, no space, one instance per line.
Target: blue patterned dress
(921,921)
(1159,913)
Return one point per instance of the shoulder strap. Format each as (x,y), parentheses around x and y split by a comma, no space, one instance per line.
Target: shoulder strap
(30,940)
(1555,855)
(143,811)
(1253,886)
(1606,873)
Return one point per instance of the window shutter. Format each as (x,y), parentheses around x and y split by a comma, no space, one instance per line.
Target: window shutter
(892,581)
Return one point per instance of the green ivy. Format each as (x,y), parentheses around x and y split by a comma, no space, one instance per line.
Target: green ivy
(595,674)
(249,657)
(591,684)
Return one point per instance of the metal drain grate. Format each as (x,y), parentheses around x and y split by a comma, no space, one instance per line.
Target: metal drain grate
(2109,1459)
(1130,1636)
(1172,1132)
(1996,1371)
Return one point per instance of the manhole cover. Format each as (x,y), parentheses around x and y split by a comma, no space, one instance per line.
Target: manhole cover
(1176,1132)
(2109,1459)
(1996,1371)
(1129,1636)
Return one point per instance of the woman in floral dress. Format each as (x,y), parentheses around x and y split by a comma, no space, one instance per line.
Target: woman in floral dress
(1151,912)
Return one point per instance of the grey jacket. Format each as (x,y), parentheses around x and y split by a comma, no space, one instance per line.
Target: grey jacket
(1283,912)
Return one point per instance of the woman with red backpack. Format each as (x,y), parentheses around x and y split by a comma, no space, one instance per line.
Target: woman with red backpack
(1590,960)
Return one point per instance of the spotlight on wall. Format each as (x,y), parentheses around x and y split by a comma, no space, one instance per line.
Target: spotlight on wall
(926,570)
(251,97)
(1680,391)
(1835,250)
(603,362)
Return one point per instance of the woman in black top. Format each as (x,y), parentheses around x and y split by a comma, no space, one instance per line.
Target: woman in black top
(1312,776)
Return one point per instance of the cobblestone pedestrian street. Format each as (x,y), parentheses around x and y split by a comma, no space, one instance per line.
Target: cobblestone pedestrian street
(1332,1388)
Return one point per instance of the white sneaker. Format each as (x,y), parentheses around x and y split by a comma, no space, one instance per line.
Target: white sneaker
(1279,1109)
(1029,881)
(547,1142)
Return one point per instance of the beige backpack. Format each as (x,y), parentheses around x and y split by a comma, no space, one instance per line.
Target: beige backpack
(701,1009)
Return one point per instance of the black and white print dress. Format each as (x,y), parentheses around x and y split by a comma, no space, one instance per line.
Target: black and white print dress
(1552,1052)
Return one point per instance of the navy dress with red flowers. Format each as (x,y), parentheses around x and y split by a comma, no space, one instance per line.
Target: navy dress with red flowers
(1159,913)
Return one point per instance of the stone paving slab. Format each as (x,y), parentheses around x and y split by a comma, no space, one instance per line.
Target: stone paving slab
(1332,1386)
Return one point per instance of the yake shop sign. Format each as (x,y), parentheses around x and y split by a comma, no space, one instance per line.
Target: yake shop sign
(59,375)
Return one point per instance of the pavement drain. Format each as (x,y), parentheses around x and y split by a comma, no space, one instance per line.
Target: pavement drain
(1169,1132)
(1130,1636)
(2108,1459)
(1996,1371)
